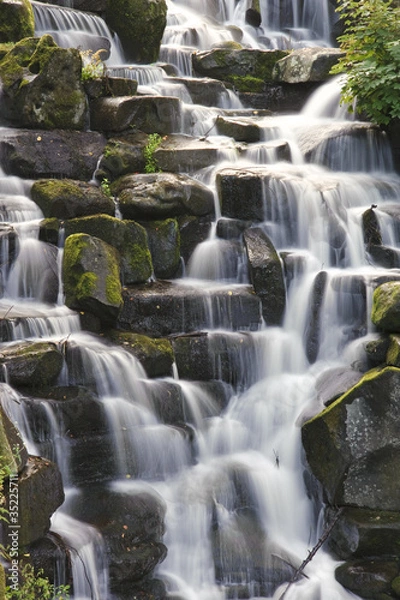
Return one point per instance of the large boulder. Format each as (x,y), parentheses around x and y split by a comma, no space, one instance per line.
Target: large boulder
(306,64)
(66,198)
(266,274)
(58,153)
(140,25)
(13,454)
(42,86)
(16,20)
(162,195)
(353,446)
(128,237)
(91,271)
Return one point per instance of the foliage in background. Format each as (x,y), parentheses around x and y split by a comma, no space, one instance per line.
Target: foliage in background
(153,142)
(371,42)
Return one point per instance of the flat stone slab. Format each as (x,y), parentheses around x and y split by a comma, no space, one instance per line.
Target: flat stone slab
(164,308)
(37,154)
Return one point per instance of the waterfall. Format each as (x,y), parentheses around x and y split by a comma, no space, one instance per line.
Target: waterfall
(240,517)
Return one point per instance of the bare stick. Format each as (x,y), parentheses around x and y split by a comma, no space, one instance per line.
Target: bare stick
(299,572)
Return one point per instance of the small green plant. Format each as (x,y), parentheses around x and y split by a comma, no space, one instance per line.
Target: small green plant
(371,61)
(105,186)
(92,65)
(34,585)
(153,143)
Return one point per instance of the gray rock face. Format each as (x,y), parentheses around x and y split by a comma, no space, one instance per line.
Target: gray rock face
(162,308)
(151,114)
(223,63)
(39,154)
(353,446)
(306,64)
(266,274)
(162,195)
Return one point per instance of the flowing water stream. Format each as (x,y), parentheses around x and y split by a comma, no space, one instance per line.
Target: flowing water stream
(239,511)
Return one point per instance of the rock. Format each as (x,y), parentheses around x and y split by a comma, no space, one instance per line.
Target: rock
(44,90)
(203,90)
(13,454)
(235,184)
(122,155)
(91,276)
(266,274)
(353,448)
(386,307)
(231,229)
(40,493)
(393,351)
(164,243)
(181,153)
(371,228)
(40,154)
(193,231)
(334,383)
(376,351)
(155,355)
(128,237)
(313,327)
(239,128)
(110,86)
(306,64)
(140,25)
(338,146)
(162,195)
(31,364)
(151,114)
(162,308)
(361,533)
(132,526)
(253,17)
(217,356)
(16,20)
(67,199)
(237,65)
(9,241)
(369,577)
(384,256)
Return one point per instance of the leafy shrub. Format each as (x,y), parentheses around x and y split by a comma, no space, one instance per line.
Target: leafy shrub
(153,142)
(371,43)
(92,65)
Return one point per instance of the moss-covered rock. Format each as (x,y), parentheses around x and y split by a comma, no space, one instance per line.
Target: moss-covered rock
(140,25)
(244,68)
(128,237)
(386,307)
(66,199)
(42,85)
(353,446)
(16,20)
(32,364)
(122,156)
(164,243)
(91,269)
(155,354)
(369,577)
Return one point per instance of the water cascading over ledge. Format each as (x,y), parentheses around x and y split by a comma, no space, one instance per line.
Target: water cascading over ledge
(185,470)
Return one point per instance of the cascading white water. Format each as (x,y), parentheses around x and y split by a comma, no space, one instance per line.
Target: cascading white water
(239,517)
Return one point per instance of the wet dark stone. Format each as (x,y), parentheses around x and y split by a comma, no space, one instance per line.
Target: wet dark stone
(312,332)
(368,577)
